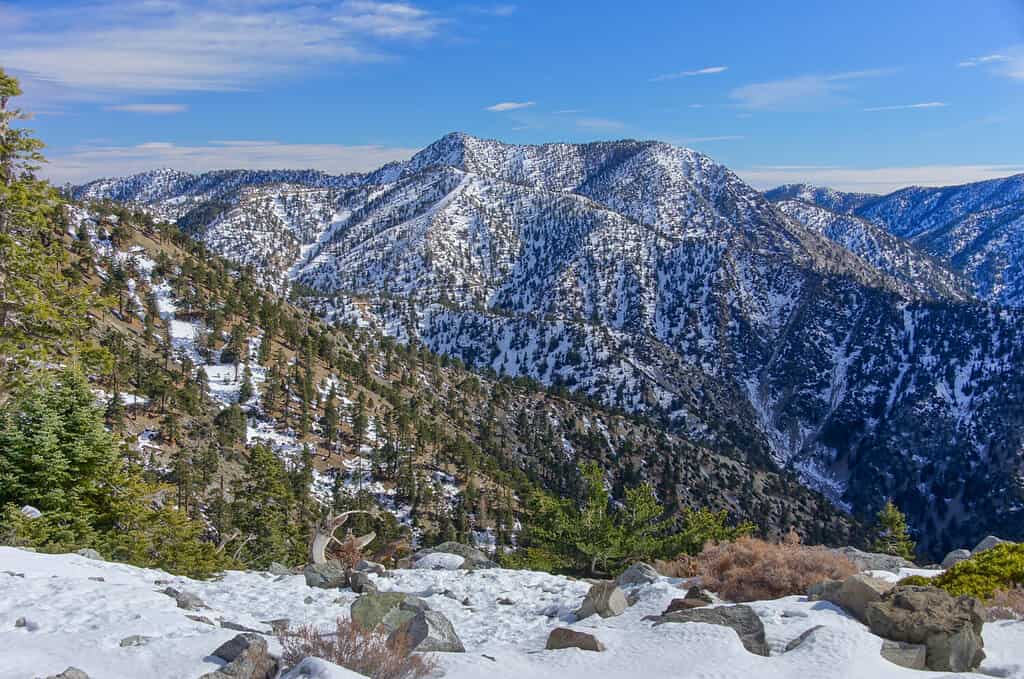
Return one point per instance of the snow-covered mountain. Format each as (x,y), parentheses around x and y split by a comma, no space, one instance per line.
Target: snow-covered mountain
(653,279)
(976,229)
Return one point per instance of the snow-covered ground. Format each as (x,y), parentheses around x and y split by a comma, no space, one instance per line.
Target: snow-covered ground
(76,611)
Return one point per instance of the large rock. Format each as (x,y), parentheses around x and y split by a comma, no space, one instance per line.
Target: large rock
(440,561)
(987,544)
(638,574)
(327,575)
(473,558)
(365,566)
(695,598)
(949,627)
(824,590)
(89,553)
(185,600)
(741,618)
(605,599)
(361,583)
(247,658)
(873,561)
(388,609)
(563,637)
(428,631)
(912,656)
(955,557)
(856,592)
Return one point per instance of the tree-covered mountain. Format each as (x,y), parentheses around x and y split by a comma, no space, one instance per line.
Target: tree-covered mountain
(653,280)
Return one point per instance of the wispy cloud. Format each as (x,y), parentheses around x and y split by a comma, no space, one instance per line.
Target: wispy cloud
(567,111)
(902,107)
(874,180)
(159,109)
(805,92)
(1008,63)
(85,163)
(987,59)
(510,106)
(710,70)
(501,10)
(191,45)
(600,124)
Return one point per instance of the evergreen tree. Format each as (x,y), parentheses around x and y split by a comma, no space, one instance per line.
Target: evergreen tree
(891,535)
(262,511)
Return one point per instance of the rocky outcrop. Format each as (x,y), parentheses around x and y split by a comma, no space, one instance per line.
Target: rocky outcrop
(563,637)
(247,658)
(824,590)
(327,575)
(955,557)
(950,628)
(986,544)
(856,592)
(389,610)
(740,618)
(874,561)
(638,574)
(605,599)
(473,558)
(427,631)
(911,656)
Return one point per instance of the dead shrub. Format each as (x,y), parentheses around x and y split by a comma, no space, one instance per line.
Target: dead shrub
(683,566)
(349,553)
(367,653)
(1006,604)
(750,569)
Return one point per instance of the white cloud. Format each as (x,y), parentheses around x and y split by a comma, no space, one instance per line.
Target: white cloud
(567,111)
(86,163)
(807,92)
(149,108)
(874,180)
(988,59)
(510,105)
(902,107)
(1008,62)
(600,124)
(492,10)
(191,45)
(710,70)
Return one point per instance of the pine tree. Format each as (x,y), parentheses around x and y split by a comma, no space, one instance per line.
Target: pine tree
(892,536)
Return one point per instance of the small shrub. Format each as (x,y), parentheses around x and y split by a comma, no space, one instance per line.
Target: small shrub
(981,576)
(367,653)
(751,569)
(1006,604)
(917,580)
(683,566)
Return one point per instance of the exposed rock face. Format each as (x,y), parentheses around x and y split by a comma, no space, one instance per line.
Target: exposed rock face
(605,599)
(955,557)
(247,658)
(873,561)
(428,631)
(328,575)
(638,574)
(824,590)
(949,627)
(912,656)
(388,609)
(804,636)
(185,600)
(987,544)
(473,558)
(563,637)
(741,618)
(856,592)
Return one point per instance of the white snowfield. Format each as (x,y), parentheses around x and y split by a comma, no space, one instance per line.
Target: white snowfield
(76,611)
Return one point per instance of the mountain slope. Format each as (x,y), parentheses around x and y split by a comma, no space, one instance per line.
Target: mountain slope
(654,280)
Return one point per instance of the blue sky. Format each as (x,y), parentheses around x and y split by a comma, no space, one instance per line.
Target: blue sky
(865,96)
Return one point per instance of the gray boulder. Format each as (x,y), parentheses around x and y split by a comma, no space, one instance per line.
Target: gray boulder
(89,553)
(135,640)
(987,544)
(361,583)
(371,567)
(278,569)
(605,599)
(427,631)
(856,592)
(824,590)
(185,600)
(955,557)
(247,658)
(563,637)
(873,561)
(70,673)
(911,656)
(740,618)
(804,636)
(949,627)
(473,558)
(638,574)
(387,609)
(328,575)
(695,598)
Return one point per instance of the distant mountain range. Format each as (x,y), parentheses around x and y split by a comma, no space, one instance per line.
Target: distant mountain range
(831,334)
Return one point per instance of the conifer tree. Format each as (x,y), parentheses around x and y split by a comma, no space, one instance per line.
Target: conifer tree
(891,534)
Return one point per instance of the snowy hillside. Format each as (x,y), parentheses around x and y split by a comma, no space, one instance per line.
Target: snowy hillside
(67,610)
(655,280)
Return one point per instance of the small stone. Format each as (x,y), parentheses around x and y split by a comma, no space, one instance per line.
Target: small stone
(21,622)
(371,567)
(89,554)
(360,582)
(201,618)
(505,601)
(185,600)
(605,599)
(247,658)
(563,637)
(638,574)
(684,604)
(802,638)
(70,673)
(135,640)
(308,600)
(98,578)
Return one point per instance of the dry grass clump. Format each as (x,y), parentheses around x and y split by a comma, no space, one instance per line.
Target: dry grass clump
(1006,604)
(683,566)
(750,569)
(367,653)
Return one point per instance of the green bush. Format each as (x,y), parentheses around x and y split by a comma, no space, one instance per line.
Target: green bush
(919,580)
(981,576)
